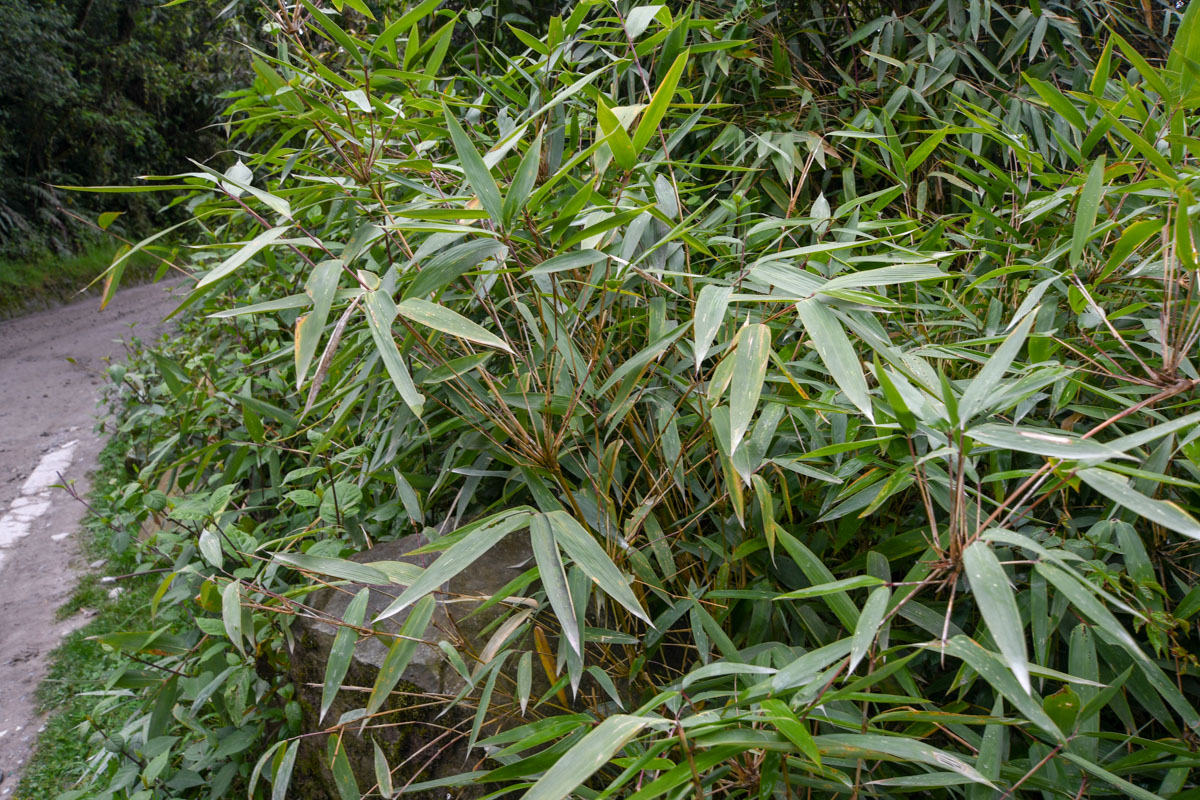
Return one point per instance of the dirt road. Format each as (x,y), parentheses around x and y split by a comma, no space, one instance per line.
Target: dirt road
(50,379)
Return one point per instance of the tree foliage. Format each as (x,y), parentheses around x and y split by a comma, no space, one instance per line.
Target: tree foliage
(97,92)
(837,363)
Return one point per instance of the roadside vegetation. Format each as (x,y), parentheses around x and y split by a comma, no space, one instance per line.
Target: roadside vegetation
(835,361)
(28,284)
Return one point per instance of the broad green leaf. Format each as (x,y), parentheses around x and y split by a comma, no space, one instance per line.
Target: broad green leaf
(587,756)
(568,261)
(654,112)
(231,613)
(1133,238)
(1122,785)
(1155,432)
(868,625)
(819,575)
(524,679)
(404,646)
(383,773)
(710,313)
(343,649)
(900,748)
(789,725)
(884,276)
(474,540)
(1002,680)
(448,266)
(343,774)
(983,386)
(749,372)
(1082,596)
(282,304)
(478,174)
(322,284)
(380,313)
(1085,210)
(924,150)
(836,352)
(998,606)
(244,254)
(844,585)
(282,777)
(1058,102)
(804,669)
(554,578)
(591,558)
(1049,443)
(443,319)
(334,567)
(414,15)
(1163,512)
(522,183)
(616,137)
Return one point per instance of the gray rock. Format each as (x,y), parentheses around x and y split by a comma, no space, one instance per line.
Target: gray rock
(409,728)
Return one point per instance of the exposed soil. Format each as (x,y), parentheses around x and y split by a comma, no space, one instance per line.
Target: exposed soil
(51,365)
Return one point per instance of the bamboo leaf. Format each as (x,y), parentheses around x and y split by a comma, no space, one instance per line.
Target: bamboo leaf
(383,773)
(1162,512)
(554,578)
(380,313)
(335,567)
(523,180)
(231,613)
(321,286)
(443,319)
(1049,443)
(749,371)
(282,777)
(343,649)
(244,254)
(835,587)
(998,606)
(343,774)
(983,386)
(586,757)
(1085,210)
(901,748)
(710,313)
(868,625)
(616,137)
(474,540)
(591,558)
(659,103)
(401,653)
(478,174)
(836,352)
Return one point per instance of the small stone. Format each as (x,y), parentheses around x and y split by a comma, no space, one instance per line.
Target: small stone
(115,592)
(98,563)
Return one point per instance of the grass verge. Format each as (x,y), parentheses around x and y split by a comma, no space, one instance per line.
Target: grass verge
(50,279)
(80,665)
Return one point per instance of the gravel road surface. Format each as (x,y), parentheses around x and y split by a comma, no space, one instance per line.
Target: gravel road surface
(51,365)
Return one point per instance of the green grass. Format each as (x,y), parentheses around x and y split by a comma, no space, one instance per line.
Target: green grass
(49,279)
(80,665)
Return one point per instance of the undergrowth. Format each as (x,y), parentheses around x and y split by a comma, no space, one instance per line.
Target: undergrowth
(27,285)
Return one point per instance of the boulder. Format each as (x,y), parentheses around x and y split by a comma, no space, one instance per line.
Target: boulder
(411,732)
